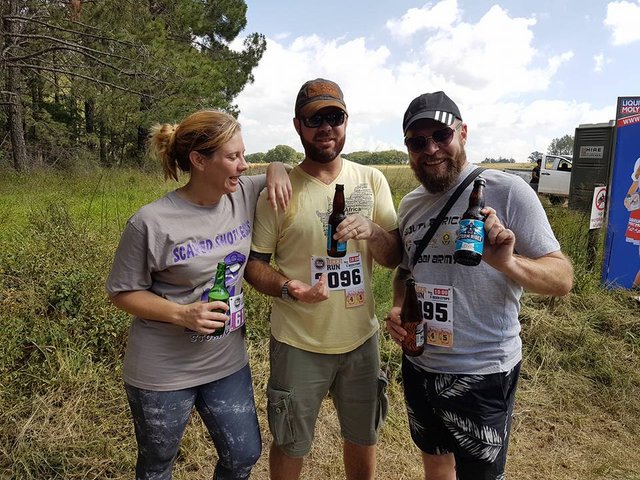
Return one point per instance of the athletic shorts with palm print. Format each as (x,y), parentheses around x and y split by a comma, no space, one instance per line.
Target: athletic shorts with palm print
(467,415)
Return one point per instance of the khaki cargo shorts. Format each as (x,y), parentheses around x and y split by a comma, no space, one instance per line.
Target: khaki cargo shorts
(300,380)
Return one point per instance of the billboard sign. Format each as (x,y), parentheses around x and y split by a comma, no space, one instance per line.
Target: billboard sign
(621,267)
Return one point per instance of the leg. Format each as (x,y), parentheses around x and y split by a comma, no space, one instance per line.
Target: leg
(228,410)
(426,428)
(359,461)
(439,467)
(359,396)
(483,419)
(298,382)
(282,466)
(159,420)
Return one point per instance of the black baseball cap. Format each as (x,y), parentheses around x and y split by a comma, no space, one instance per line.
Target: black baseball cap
(436,106)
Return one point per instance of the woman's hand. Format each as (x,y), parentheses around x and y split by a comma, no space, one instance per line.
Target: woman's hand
(201,317)
(278,185)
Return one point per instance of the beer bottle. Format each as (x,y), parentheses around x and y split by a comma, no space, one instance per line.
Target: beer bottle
(411,321)
(219,293)
(335,248)
(470,239)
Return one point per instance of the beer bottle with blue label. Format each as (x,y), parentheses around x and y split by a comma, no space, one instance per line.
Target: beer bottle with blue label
(470,239)
(335,248)
(411,321)
(219,293)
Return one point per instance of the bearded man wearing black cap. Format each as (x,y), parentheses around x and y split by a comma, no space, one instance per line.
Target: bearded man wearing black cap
(324,332)
(460,391)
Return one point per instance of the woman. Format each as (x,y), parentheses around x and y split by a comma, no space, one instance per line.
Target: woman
(163,269)
(632,204)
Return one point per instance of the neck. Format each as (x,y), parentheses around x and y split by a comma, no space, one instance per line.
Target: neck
(325,172)
(199,194)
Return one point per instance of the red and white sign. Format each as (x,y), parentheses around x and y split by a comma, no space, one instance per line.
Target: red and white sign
(597,207)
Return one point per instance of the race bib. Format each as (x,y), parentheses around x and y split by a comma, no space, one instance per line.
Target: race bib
(343,274)
(236,312)
(236,321)
(436,304)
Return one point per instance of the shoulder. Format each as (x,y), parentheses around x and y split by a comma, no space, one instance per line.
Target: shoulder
(417,198)
(253,181)
(153,210)
(371,174)
(504,182)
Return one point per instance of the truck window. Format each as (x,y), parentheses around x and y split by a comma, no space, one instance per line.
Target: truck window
(549,161)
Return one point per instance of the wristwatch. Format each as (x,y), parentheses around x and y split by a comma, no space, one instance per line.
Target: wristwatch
(284,293)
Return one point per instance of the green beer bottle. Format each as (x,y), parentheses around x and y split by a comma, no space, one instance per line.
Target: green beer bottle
(219,293)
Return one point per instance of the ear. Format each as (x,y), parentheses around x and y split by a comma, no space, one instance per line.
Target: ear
(296,124)
(463,134)
(197,160)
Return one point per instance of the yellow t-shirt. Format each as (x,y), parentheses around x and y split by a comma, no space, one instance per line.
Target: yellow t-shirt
(300,232)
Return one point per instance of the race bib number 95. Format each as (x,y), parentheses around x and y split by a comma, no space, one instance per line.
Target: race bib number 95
(436,303)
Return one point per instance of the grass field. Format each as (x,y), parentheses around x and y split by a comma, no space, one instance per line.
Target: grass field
(64,413)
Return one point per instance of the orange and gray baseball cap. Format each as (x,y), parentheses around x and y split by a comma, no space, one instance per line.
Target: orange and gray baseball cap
(436,106)
(317,94)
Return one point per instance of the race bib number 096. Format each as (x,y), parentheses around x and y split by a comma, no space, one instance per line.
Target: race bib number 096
(343,274)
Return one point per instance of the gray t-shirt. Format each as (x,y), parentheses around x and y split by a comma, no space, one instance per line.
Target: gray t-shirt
(482,303)
(171,247)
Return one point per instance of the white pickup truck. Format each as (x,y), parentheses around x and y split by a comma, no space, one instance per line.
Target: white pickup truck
(555,176)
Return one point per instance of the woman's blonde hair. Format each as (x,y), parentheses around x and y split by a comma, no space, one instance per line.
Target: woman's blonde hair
(204,131)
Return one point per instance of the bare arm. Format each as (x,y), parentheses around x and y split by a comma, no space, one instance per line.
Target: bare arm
(278,185)
(550,274)
(393,317)
(386,247)
(266,279)
(196,316)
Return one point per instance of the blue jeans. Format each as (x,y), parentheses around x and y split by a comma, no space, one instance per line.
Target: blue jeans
(228,410)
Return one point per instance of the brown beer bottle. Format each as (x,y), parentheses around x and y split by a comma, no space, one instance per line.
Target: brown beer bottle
(335,248)
(411,321)
(470,239)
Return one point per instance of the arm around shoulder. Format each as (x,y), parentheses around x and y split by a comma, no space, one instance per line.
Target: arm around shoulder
(386,247)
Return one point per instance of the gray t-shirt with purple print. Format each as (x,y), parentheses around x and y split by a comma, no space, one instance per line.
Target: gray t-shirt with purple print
(171,247)
(474,326)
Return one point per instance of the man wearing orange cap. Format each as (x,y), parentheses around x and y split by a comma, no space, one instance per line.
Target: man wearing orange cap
(324,332)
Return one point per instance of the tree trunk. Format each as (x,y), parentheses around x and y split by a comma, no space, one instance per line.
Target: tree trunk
(14,109)
(89,115)
(143,132)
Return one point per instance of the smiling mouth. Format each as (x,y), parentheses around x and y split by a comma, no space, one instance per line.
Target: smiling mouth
(433,163)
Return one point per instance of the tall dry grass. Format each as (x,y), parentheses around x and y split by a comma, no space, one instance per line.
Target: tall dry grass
(64,413)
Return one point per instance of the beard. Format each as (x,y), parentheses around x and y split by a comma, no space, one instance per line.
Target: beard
(323,155)
(438,183)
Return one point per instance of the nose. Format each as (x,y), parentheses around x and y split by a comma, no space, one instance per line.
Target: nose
(324,125)
(432,147)
(243,165)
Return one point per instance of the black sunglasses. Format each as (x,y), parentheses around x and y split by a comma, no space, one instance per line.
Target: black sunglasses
(334,119)
(441,138)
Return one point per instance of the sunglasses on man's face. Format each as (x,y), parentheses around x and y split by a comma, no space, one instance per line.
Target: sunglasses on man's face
(334,119)
(441,138)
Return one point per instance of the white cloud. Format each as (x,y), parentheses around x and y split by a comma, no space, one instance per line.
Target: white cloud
(492,69)
(599,62)
(440,16)
(623,18)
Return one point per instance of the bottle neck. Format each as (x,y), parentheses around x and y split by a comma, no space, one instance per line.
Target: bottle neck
(220,275)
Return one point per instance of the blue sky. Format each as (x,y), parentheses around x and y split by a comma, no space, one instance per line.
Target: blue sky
(521,72)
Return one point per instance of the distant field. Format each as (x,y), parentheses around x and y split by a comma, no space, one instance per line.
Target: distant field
(64,413)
